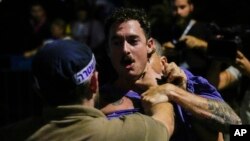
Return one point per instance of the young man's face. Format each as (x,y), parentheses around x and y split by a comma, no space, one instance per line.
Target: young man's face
(129,49)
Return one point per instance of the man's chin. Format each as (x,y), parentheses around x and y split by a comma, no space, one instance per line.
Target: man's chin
(181,22)
(132,76)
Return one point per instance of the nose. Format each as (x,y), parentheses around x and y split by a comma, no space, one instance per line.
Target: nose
(179,11)
(126,48)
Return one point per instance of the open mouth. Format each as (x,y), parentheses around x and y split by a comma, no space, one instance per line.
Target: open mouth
(127,61)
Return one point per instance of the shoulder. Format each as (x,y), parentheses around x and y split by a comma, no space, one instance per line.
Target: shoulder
(134,127)
(202,30)
(200,86)
(196,80)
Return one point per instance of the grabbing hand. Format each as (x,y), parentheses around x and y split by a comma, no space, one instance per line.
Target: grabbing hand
(242,63)
(147,80)
(193,42)
(158,94)
(168,45)
(175,75)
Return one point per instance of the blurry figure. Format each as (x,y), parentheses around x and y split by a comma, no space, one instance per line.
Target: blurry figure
(160,16)
(188,38)
(39,28)
(58,31)
(239,75)
(87,29)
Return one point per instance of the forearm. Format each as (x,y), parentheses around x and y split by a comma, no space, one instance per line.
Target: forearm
(202,44)
(213,111)
(225,80)
(164,113)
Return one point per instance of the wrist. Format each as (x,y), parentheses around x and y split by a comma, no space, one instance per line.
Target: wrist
(170,90)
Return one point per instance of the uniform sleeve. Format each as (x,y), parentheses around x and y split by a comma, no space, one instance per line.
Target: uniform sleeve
(135,127)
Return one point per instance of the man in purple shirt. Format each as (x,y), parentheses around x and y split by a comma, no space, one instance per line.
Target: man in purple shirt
(183,127)
(131,50)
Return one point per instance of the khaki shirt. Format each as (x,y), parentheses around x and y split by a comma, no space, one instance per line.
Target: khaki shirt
(78,123)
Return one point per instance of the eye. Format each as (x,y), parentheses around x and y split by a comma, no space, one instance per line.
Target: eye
(117,42)
(182,7)
(133,40)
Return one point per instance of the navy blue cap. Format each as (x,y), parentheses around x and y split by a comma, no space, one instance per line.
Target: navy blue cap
(62,65)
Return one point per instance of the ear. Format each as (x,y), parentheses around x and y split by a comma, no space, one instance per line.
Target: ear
(164,61)
(191,7)
(94,84)
(150,46)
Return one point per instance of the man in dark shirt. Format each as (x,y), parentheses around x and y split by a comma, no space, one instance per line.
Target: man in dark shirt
(188,38)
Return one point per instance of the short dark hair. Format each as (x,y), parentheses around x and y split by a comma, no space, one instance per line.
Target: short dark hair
(124,14)
(172,2)
(189,1)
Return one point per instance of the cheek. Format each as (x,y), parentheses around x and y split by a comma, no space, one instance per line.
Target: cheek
(141,56)
(115,58)
(186,12)
(156,66)
(114,53)
(141,59)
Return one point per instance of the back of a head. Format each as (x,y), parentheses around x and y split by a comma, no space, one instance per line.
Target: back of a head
(124,14)
(60,67)
(159,50)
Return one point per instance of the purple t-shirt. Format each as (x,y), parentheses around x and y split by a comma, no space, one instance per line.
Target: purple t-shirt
(183,130)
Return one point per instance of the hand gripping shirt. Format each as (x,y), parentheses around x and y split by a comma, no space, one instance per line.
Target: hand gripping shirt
(183,129)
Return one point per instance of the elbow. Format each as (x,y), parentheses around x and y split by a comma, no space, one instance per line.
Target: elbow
(170,129)
(237,121)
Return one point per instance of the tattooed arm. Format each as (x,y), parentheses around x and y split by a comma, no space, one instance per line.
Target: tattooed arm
(214,113)
(222,115)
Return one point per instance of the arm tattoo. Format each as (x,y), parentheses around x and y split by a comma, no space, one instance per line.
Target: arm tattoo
(221,113)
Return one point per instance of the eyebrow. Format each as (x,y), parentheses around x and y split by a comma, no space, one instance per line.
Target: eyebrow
(114,37)
(127,37)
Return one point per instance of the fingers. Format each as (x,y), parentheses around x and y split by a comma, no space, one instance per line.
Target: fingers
(184,38)
(238,61)
(192,41)
(175,75)
(168,45)
(240,55)
(168,68)
(155,98)
(172,72)
(240,58)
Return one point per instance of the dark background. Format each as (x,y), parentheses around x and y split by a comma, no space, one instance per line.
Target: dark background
(14,15)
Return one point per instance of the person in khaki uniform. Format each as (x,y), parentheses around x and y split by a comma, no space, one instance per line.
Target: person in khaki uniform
(65,75)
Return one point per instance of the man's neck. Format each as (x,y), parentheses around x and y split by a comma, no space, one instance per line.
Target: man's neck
(123,83)
(88,103)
